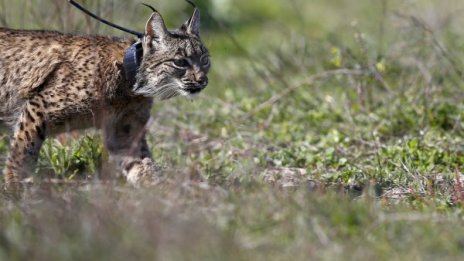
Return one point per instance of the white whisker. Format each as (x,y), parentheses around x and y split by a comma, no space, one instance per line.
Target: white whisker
(166,91)
(160,92)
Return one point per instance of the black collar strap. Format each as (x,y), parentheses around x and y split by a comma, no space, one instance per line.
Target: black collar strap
(132,61)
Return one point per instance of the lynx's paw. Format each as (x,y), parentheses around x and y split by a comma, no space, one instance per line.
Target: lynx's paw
(141,172)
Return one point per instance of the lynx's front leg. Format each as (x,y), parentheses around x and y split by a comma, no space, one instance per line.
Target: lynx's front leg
(124,134)
(28,137)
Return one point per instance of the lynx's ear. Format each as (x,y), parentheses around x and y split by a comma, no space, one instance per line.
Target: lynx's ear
(192,26)
(155,28)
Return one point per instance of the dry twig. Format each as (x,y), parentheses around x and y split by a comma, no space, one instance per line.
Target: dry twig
(308,81)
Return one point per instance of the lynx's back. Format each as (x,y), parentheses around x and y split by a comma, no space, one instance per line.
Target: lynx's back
(32,60)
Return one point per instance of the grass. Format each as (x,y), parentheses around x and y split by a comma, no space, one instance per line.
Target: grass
(330,130)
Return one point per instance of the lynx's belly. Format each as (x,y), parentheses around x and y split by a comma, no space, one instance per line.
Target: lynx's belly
(74,122)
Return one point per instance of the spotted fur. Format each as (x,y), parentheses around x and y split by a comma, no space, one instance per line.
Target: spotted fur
(52,82)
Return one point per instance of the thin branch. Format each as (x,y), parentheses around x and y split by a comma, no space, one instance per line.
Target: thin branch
(308,81)
(441,48)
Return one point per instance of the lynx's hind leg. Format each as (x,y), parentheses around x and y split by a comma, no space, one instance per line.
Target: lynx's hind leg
(28,136)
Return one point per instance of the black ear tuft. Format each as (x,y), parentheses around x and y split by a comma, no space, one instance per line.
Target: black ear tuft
(191,3)
(151,7)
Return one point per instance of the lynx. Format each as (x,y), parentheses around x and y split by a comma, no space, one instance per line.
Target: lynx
(51,82)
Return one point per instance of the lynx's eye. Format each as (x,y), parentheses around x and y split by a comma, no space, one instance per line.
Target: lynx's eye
(182,62)
(204,61)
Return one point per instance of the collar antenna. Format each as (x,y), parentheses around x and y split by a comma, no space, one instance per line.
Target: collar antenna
(87,12)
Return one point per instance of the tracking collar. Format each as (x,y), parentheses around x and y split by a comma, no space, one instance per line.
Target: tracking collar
(132,60)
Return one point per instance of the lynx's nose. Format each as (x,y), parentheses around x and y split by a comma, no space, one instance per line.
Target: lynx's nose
(203,80)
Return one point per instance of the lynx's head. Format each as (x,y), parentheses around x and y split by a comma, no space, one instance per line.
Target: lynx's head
(175,62)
